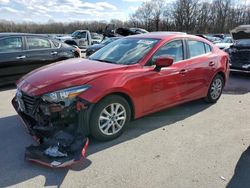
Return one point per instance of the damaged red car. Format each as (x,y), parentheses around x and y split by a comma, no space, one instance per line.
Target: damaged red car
(129,78)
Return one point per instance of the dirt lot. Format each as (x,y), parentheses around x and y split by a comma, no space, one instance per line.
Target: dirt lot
(192,145)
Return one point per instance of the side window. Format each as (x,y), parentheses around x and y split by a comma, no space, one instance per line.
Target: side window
(208,48)
(38,43)
(12,44)
(56,44)
(196,48)
(173,49)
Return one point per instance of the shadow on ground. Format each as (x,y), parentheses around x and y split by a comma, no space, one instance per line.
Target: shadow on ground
(14,170)
(241,177)
(238,84)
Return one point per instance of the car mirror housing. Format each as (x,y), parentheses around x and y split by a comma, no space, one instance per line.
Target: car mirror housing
(163,61)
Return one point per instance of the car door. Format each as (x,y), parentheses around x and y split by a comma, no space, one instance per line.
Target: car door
(40,51)
(12,59)
(199,68)
(167,87)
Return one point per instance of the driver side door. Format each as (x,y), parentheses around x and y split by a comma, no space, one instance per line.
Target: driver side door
(167,87)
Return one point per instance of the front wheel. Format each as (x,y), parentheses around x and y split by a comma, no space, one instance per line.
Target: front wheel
(109,118)
(215,89)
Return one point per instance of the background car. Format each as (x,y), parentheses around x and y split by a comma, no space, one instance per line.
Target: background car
(240,50)
(93,48)
(96,38)
(240,56)
(22,53)
(225,43)
(128,78)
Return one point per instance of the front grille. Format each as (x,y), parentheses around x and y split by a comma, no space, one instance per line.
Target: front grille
(29,102)
(241,56)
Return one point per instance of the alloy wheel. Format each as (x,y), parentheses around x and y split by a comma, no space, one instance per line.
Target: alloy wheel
(112,119)
(216,88)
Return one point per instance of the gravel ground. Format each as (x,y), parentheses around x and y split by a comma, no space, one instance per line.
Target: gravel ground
(192,145)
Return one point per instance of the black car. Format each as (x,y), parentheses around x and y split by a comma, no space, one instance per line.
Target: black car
(22,53)
(239,52)
(240,56)
(93,48)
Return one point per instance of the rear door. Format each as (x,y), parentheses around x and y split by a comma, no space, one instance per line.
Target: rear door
(12,59)
(200,68)
(40,51)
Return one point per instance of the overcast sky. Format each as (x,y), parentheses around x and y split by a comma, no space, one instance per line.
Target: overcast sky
(66,10)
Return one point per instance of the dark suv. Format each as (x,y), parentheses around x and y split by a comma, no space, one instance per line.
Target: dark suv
(22,53)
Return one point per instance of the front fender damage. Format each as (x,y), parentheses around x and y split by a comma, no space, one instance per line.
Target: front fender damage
(59,130)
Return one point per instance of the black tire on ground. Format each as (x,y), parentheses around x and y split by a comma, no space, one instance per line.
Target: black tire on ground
(210,98)
(95,129)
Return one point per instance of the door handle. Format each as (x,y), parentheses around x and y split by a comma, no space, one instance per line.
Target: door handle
(53,53)
(183,71)
(21,57)
(211,64)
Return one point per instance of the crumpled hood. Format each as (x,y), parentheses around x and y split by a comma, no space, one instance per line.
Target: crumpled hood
(241,32)
(64,74)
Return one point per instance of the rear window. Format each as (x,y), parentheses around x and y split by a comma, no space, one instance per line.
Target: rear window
(35,43)
(196,48)
(12,44)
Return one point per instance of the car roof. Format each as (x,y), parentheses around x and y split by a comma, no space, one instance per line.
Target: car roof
(21,34)
(158,35)
(166,35)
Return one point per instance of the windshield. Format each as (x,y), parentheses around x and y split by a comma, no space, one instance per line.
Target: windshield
(125,51)
(79,34)
(108,40)
(228,40)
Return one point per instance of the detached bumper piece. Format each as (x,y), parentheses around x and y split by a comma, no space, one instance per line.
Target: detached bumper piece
(61,150)
(61,143)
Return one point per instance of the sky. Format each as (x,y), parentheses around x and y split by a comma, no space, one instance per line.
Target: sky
(42,11)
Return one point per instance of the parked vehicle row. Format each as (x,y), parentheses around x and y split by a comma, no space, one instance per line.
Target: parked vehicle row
(22,53)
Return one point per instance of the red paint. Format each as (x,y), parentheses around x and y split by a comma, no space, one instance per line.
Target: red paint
(148,90)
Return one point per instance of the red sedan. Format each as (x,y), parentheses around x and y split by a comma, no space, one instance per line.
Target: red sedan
(127,79)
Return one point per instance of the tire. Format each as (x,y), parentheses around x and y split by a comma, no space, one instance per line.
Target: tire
(105,125)
(215,89)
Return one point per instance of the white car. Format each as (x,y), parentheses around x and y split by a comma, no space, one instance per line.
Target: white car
(225,43)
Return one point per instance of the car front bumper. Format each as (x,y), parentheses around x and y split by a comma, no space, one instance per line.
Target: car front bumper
(36,153)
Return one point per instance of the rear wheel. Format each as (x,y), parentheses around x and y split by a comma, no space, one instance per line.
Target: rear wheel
(215,89)
(109,118)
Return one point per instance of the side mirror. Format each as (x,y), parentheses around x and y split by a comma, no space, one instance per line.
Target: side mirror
(163,61)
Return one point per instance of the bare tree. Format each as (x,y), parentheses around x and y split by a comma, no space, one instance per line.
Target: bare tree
(193,16)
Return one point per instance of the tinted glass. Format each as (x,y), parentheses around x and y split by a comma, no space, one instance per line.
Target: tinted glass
(125,51)
(208,48)
(173,49)
(12,44)
(79,34)
(108,40)
(196,48)
(37,43)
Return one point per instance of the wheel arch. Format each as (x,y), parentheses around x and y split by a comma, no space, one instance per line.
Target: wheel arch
(127,98)
(221,73)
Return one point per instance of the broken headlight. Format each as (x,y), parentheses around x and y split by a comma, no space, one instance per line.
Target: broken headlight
(64,94)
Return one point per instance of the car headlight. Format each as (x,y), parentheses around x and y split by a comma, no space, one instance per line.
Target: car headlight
(64,94)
